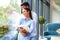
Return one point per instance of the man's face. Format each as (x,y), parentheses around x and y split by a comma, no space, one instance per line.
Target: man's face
(24,7)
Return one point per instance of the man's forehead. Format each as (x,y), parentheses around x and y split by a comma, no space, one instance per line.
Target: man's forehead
(24,6)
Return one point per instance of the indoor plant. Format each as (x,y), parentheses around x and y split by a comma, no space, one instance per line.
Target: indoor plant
(41,22)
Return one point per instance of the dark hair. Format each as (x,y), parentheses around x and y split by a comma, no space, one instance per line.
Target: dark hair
(28,9)
(25,4)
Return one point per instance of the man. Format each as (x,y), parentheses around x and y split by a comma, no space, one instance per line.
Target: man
(34,16)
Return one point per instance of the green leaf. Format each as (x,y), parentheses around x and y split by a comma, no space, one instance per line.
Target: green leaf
(41,20)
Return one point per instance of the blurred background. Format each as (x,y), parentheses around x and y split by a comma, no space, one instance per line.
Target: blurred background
(5,5)
(41,7)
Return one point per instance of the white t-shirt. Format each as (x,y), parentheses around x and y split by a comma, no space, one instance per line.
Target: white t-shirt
(34,16)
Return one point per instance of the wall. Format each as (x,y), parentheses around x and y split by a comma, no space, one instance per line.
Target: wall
(54,13)
(55,16)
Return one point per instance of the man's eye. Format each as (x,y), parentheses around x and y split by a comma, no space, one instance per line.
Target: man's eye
(24,11)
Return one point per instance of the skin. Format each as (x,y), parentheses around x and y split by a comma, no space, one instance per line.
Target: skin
(24,7)
(26,13)
(23,31)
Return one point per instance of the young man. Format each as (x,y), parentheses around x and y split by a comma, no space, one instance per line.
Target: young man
(34,16)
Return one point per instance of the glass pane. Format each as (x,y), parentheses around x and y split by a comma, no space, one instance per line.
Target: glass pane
(6,7)
(34,5)
(8,4)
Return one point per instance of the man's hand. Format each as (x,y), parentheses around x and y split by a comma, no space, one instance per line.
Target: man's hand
(22,31)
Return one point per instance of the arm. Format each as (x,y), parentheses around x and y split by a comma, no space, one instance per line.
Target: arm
(22,31)
(31,27)
(34,16)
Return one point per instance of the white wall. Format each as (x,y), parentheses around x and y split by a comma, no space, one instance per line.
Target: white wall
(55,12)
(55,16)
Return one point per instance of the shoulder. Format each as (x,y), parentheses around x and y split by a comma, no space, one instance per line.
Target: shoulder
(22,16)
(33,13)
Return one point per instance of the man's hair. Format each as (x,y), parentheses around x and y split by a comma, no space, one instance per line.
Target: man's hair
(25,4)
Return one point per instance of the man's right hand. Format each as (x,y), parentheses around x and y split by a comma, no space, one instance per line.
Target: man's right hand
(22,31)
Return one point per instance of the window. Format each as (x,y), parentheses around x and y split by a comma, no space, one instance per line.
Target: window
(5,5)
